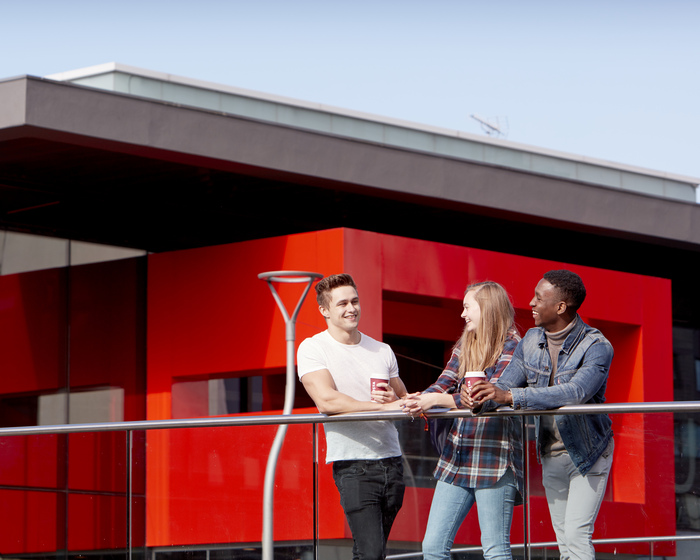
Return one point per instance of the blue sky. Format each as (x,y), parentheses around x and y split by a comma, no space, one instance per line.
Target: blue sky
(616,79)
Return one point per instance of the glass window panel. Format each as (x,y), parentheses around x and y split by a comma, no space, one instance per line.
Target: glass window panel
(104,404)
(233,395)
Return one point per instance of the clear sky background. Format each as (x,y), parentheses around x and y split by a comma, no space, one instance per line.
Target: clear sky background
(611,79)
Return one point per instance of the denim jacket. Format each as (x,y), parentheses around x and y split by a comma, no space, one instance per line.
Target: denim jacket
(581,377)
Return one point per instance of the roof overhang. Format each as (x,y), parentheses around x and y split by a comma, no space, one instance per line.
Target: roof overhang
(101,166)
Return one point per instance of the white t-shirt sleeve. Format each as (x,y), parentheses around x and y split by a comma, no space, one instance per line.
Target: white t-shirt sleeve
(310,357)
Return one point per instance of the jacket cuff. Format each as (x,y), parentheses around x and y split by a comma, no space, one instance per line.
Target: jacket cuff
(518,398)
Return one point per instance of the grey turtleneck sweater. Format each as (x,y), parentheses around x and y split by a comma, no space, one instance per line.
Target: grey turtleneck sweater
(551,439)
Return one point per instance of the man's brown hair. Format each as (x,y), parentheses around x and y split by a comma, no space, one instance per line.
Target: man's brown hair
(330,283)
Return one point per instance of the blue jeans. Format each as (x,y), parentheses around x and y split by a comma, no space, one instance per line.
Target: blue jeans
(371,493)
(574,501)
(451,505)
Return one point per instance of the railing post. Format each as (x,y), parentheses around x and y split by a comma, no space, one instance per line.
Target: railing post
(526,490)
(129,493)
(284,277)
(315,489)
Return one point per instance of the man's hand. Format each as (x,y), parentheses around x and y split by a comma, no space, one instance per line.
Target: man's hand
(483,391)
(385,395)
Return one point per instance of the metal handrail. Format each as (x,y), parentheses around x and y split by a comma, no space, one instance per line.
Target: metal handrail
(267,420)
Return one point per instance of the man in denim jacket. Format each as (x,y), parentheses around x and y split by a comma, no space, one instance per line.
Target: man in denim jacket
(562,361)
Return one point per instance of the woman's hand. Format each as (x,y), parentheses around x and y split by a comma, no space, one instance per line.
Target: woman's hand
(465,395)
(418,403)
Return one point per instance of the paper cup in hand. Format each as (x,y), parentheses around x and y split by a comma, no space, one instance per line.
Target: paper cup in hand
(471,377)
(374,381)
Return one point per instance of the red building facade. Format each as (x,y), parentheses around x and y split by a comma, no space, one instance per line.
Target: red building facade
(195,333)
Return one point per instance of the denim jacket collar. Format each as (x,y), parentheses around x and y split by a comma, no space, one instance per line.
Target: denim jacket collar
(572,338)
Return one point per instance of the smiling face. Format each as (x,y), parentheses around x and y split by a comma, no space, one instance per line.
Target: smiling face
(472,312)
(548,308)
(343,311)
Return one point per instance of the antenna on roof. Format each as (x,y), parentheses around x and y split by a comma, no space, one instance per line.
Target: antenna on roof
(492,127)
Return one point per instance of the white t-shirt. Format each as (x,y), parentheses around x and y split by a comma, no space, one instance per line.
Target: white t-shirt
(352,366)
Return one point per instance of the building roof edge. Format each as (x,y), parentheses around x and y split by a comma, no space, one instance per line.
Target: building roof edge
(213,86)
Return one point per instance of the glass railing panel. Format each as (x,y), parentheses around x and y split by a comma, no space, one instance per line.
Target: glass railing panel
(32,494)
(649,507)
(105,494)
(686,451)
(640,499)
(644,511)
(97,525)
(66,495)
(205,489)
(420,460)
(27,529)
(335,537)
(534,512)
(198,492)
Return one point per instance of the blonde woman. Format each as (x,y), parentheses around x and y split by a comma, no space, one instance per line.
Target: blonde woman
(481,461)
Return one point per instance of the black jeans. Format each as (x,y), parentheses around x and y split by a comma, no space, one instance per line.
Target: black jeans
(371,493)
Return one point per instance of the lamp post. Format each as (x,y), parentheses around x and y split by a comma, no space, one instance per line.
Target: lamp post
(283,277)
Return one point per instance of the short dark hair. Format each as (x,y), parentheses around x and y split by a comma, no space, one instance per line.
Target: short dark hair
(330,283)
(570,286)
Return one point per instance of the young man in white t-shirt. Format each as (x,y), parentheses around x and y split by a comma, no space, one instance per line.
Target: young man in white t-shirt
(335,367)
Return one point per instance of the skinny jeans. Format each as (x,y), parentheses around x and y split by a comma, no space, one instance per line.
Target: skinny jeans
(371,493)
(450,506)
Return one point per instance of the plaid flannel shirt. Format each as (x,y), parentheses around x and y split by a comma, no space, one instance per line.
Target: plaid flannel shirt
(478,451)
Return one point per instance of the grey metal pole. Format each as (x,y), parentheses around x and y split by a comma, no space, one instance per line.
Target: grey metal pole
(285,277)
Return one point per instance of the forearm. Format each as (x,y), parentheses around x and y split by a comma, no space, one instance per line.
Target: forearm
(440,400)
(321,388)
(340,403)
(588,381)
(544,398)
(444,397)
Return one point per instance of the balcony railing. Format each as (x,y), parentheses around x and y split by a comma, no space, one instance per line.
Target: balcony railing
(175,500)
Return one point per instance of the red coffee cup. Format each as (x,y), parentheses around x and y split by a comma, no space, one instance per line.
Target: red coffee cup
(373,381)
(471,377)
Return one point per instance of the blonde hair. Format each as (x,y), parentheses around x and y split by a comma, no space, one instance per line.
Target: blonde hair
(481,348)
